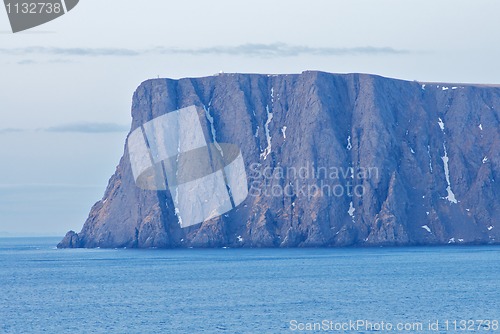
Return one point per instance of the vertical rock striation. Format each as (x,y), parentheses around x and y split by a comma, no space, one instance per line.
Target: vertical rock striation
(425,156)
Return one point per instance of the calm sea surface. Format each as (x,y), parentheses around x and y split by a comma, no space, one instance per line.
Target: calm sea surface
(45,290)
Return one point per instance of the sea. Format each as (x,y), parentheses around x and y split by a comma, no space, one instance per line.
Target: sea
(453,289)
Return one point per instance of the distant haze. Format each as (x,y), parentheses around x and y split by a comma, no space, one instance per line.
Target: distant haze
(66,86)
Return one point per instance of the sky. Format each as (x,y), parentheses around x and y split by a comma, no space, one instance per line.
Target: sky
(66,86)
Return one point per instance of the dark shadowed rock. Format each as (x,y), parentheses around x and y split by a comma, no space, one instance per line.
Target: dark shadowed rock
(433,151)
(70,240)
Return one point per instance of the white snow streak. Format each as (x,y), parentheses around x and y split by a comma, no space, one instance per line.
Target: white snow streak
(349,146)
(177,212)
(283,131)
(176,197)
(430,158)
(266,152)
(212,127)
(451,196)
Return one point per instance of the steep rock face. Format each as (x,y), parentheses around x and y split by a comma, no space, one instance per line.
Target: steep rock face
(396,162)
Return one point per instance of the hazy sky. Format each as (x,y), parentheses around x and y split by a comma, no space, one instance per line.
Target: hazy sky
(66,86)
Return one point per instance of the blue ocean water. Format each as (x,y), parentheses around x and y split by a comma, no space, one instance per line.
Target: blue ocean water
(242,290)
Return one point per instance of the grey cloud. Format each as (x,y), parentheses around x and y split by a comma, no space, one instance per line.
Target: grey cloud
(60,61)
(26,62)
(88,128)
(10,130)
(75,128)
(279,50)
(51,61)
(92,52)
(262,50)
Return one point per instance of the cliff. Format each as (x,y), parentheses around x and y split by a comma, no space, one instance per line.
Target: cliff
(331,160)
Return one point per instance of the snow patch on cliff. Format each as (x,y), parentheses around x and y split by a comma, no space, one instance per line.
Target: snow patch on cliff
(427,228)
(349,145)
(441,123)
(283,131)
(351,210)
